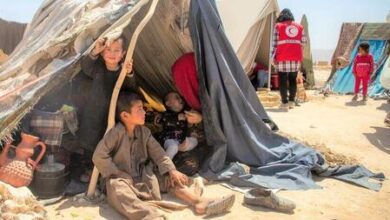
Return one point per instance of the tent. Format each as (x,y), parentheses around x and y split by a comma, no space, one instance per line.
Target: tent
(11,33)
(377,35)
(61,32)
(307,64)
(250,35)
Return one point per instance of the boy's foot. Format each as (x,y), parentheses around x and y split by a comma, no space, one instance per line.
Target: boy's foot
(216,206)
(354,98)
(365,98)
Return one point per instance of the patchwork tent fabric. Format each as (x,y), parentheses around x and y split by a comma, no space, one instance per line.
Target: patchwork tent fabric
(349,34)
(59,34)
(233,121)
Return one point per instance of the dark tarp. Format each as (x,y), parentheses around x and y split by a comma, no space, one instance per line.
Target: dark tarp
(233,120)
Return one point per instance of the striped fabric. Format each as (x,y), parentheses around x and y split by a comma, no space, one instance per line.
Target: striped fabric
(48,126)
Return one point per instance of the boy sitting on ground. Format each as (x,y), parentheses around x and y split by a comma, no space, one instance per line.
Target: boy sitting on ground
(126,157)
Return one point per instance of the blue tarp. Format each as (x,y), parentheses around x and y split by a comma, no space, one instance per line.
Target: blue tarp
(344,80)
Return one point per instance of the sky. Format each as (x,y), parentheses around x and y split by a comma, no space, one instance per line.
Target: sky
(325,16)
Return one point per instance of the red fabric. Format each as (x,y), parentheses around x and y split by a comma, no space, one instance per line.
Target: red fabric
(258,67)
(363,65)
(289,44)
(364,81)
(185,77)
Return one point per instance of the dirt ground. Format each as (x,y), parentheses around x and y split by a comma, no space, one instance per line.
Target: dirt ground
(349,132)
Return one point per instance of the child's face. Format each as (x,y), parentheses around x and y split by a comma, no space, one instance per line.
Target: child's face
(362,51)
(174,102)
(137,115)
(114,53)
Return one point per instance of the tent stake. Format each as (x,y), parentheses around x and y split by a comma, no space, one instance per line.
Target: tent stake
(118,85)
(270,51)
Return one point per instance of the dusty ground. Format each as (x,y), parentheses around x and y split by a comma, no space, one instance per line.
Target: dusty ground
(354,132)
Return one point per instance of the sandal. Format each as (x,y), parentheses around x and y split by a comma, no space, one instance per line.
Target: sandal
(221,205)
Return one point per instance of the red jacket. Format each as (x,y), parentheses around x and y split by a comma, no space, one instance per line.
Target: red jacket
(289,44)
(363,65)
(185,77)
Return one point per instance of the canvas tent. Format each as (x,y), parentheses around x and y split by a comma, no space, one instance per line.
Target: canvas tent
(307,64)
(377,35)
(10,35)
(249,27)
(61,32)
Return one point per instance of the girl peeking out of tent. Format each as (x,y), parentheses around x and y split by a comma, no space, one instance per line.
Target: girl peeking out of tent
(103,66)
(363,67)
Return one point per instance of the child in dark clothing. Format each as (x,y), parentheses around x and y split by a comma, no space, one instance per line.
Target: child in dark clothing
(103,66)
(175,126)
(363,67)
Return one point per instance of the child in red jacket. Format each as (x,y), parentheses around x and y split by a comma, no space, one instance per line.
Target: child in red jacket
(363,67)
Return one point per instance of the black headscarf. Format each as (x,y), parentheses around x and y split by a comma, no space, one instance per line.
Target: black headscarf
(285,15)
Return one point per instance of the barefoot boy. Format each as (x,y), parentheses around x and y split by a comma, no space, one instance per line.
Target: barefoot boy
(125,157)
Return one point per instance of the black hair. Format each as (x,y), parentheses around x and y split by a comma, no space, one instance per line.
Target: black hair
(285,15)
(177,95)
(365,46)
(125,102)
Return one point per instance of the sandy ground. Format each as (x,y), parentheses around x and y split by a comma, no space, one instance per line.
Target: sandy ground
(355,131)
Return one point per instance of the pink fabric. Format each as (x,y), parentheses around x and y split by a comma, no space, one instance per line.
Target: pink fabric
(185,77)
(363,65)
(361,80)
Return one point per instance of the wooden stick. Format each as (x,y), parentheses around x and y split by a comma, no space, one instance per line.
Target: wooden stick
(118,85)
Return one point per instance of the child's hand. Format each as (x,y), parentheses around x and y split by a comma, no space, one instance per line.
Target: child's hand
(177,178)
(99,47)
(193,117)
(181,117)
(128,66)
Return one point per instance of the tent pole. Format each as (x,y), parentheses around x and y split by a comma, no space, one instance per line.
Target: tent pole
(270,51)
(118,85)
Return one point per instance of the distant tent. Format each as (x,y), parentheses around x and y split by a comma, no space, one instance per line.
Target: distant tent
(10,35)
(249,27)
(377,35)
(307,64)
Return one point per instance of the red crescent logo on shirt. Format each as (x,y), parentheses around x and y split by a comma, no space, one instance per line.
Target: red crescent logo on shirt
(292,31)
